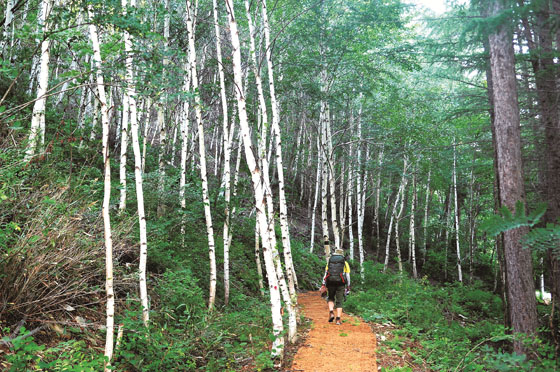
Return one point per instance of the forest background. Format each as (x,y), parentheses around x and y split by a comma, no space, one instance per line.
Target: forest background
(171,173)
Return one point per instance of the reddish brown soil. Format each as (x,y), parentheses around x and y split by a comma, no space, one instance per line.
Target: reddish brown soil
(349,347)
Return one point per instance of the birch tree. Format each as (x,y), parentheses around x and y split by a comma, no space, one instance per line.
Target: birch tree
(36,133)
(6,33)
(138,170)
(316,197)
(286,244)
(202,153)
(412,230)
(394,213)
(110,306)
(227,139)
(258,189)
(426,206)
(161,111)
(459,271)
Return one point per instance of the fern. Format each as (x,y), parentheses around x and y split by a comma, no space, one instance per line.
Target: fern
(540,239)
(544,238)
(499,223)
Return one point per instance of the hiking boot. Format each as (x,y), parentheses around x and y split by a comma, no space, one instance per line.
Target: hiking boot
(331,317)
(338,321)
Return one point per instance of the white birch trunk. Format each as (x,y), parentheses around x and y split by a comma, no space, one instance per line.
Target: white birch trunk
(397,236)
(426,206)
(6,34)
(161,114)
(263,160)
(110,306)
(36,133)
(393,214)
(256,178)
(459,271)
(412,235)
(317,182)
(124,145)
(184,147)
(202,153)
(131,93)
(146,114)
(350,196)
(332,178)
(377,196)
(324,185)
(447,227)
(284,227)
(360,195)
(343,201)
(227,155)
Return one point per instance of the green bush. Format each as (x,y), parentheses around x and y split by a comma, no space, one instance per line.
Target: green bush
(458,326)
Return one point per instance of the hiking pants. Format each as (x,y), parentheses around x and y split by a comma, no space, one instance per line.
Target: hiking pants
(336,294)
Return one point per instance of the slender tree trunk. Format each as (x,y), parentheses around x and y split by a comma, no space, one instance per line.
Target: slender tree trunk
(147,108)
(124,143)
(394,213)
(6,34)
(332,177)
(185,126)
(520,286)
(36,134)
(350,186)
(324,185)
(161,115)
(397,236)
(131,92)
(110,306)
(412,232)
(202,153)
(426,206)
(459,270)
(471,225)
(227,156)
(377,195)
(447,228)
(263,160)
(258,260)
(284,227)
(317,182)
(360,192)
(257,182)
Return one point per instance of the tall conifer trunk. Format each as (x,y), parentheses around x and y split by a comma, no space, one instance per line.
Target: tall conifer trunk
(520,285)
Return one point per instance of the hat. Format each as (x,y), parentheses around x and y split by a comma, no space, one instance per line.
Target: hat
(339,252)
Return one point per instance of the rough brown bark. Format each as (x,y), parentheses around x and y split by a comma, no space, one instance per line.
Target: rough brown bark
(520,286)
(540,43)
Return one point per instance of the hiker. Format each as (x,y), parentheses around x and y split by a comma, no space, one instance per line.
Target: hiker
(337,282)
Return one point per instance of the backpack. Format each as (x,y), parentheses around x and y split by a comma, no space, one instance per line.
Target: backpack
(335,273)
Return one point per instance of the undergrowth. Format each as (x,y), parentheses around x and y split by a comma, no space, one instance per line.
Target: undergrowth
(458,326)
(51,229)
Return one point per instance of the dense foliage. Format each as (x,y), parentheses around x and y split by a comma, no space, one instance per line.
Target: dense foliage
(396,103)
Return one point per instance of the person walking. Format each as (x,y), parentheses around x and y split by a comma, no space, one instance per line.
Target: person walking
(337,282)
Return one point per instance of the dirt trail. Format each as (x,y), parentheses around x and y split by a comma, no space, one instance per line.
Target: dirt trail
(349,347)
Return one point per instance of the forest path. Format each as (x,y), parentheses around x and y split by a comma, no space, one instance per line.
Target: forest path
(349,347)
